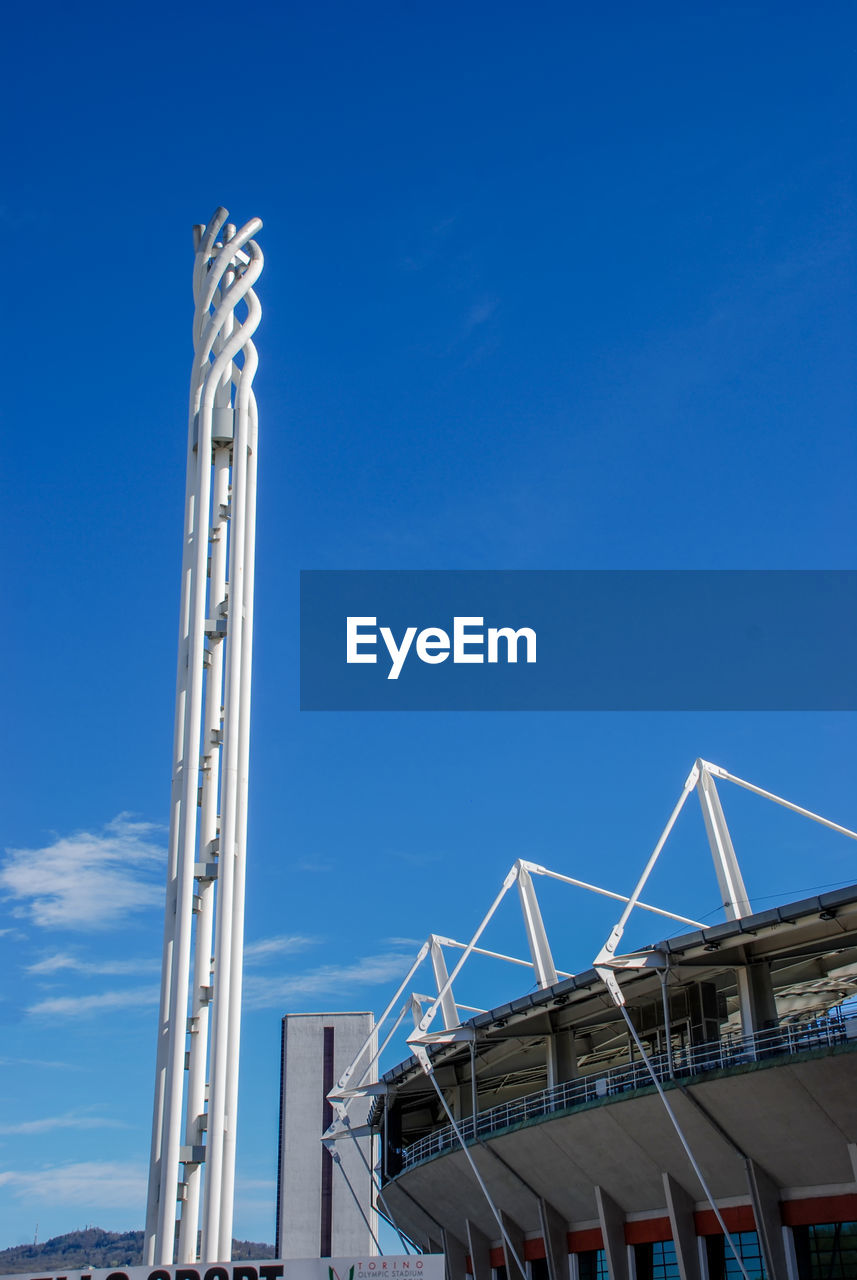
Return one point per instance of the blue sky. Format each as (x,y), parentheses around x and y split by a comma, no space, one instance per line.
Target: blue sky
(544,288)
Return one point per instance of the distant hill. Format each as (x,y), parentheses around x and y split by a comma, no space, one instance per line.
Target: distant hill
(78,1250)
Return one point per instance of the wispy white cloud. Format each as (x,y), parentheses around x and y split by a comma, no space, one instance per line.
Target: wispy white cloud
(65,960)
(255,1195)
(101,1184)
(260,992)
(71,1120)
(16,935)
(266,993)
(479,313)
(323,865)
(90,880)
(39,1062)
(78,1006)
(413,858)
(264,949)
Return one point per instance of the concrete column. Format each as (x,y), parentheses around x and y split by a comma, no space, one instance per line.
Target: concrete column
(756,998)
(612,1221)
(473,1093)
(450,1086)
(680,1210)
(550,1059)
(852,1151)
(766,1210)
(562,1056)
(456,1257)
(516,1236)
(555,1235)
(479,1248)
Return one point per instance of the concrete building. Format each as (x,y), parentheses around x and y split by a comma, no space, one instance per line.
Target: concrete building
(751,1028)
(324,1200)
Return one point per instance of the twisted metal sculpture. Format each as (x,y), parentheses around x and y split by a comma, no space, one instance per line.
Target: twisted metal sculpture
(197,1064)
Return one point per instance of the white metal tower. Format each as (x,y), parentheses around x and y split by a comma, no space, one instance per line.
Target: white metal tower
(196,1082)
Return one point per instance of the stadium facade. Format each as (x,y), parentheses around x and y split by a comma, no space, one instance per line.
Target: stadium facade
(745,1027)
(687,1110)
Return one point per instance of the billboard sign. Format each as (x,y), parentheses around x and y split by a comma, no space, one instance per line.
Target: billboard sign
(425,1266)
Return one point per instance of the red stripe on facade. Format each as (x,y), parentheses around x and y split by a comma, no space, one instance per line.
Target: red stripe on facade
(794,1213)
(738,1218)
(818,1209)
(584,1241)
(648,1231)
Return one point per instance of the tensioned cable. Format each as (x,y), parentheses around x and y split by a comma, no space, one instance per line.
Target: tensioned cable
(385,1212)
(683,1140)
(496,1212)
(337,1160)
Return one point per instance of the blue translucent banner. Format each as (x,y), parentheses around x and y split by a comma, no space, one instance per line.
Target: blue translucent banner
(656,640)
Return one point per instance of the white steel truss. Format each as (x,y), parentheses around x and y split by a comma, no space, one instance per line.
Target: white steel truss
(732,889)
(541,962)
(196,1082)
(735,904)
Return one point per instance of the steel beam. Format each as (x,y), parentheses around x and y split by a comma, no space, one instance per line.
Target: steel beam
(449,1012)
(733,891)
(543,965)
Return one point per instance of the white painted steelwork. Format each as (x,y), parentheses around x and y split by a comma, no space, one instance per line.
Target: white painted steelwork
(352,1085)
(196,1082)
(701,778)
(733,891)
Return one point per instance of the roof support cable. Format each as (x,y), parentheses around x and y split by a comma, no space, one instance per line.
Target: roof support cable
(390,1223)
(383,1208)
(376,1184)
(424,1211)
(492,1206)
(337,1160)
(769,1260)
(719,772)
(683,1140)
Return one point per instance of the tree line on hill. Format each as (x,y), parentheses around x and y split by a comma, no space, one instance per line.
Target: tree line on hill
(92,1247)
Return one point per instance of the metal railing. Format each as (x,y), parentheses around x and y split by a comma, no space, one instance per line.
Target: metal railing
(819,1032)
